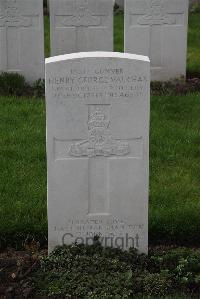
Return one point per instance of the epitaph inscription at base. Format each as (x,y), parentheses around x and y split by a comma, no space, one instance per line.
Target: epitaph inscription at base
(97,149)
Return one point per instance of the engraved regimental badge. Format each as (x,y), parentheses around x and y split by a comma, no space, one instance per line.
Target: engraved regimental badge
(100,140)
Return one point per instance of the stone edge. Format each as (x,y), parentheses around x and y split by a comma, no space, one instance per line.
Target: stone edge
(97,54)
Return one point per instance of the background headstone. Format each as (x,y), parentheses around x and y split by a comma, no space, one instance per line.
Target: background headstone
(158,29)
(81,26)
(97,148)
(22,38)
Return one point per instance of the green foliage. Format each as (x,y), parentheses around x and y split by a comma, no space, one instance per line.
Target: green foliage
(175,87)
(195,8)
(84,272)
(80,271)
(157,284)
(39,88)
(183,264)
(12,84)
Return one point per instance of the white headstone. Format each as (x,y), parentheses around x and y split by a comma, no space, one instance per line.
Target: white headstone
(158,29)
(97,149)
(22,38)
(81,25)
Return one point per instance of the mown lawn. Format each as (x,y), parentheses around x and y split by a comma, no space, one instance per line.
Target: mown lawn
(193,56)
(174,164)
(175,169)
(23,168)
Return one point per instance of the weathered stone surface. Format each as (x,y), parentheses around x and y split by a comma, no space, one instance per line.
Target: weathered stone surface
(158,29)
(22,38)
(81,25)
(97,148)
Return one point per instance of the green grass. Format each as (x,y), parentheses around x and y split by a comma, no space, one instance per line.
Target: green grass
(193,57)
(23,168)
(175,169)
(174,164)
(119,32)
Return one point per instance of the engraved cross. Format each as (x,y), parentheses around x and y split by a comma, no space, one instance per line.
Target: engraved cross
(156,19)
(11,21)
(99,148)
(81,17)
